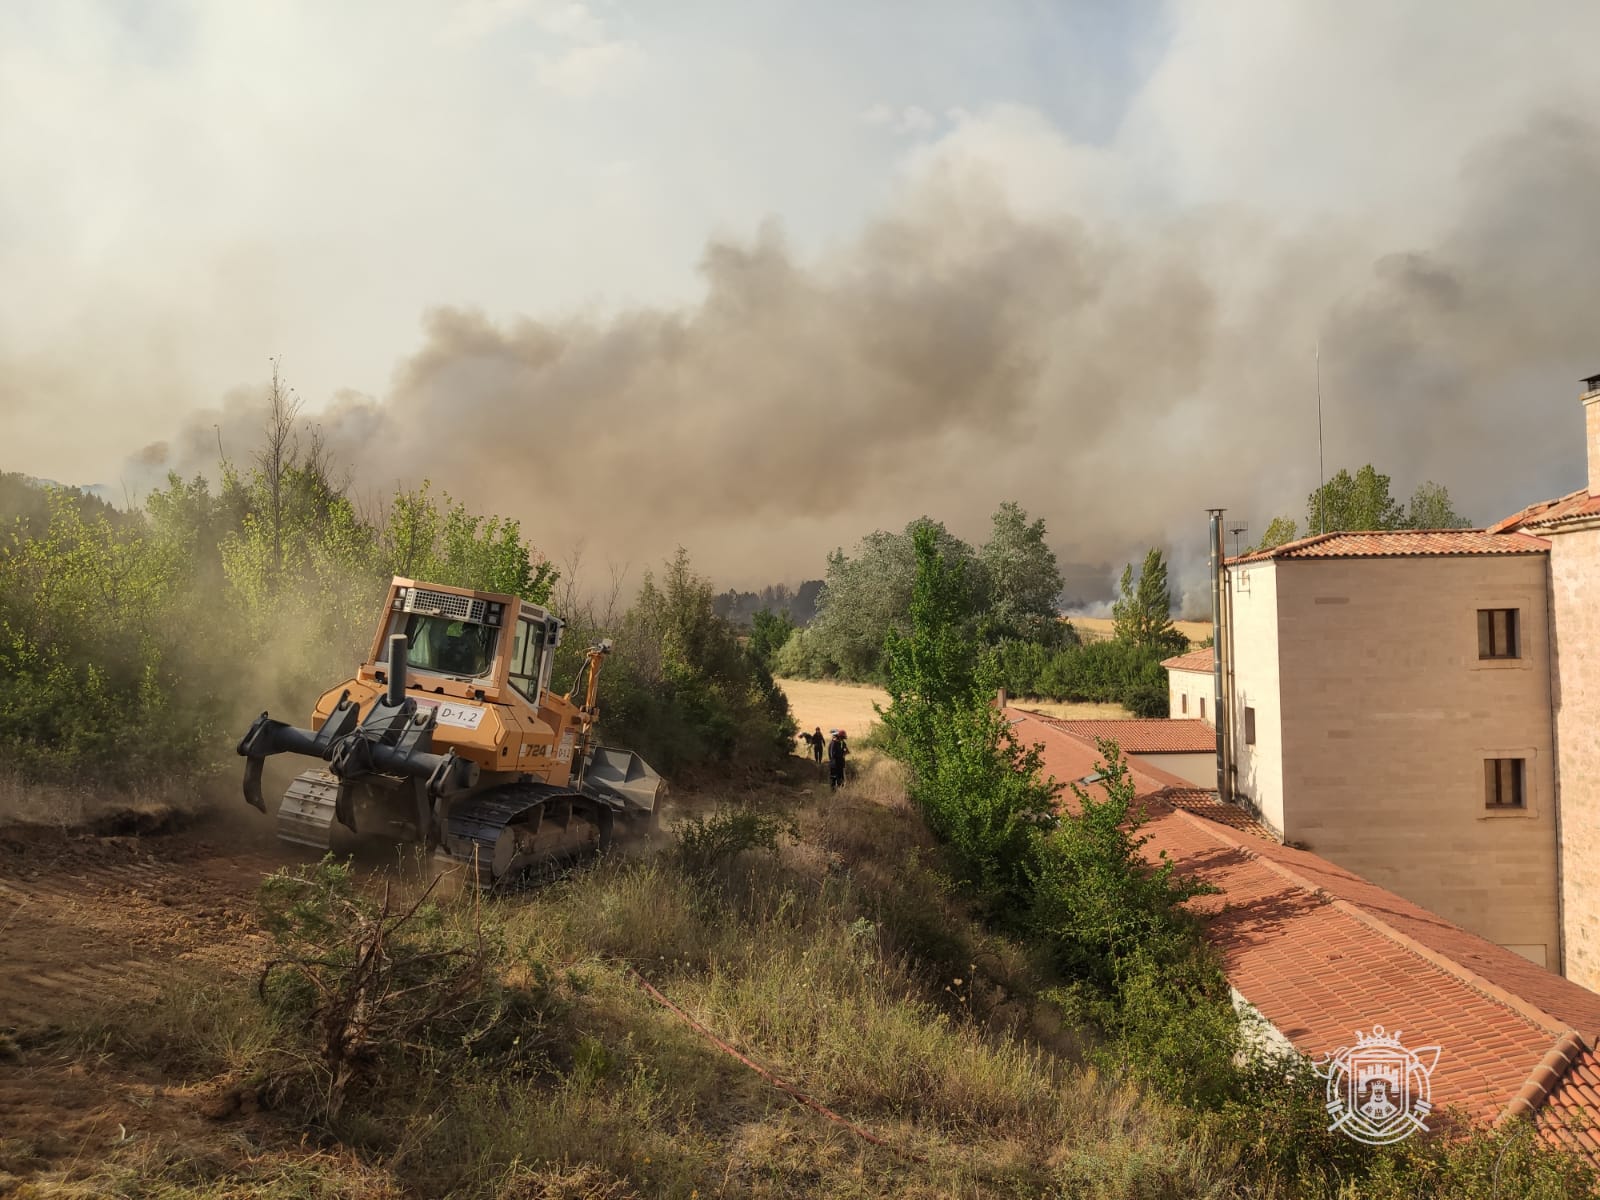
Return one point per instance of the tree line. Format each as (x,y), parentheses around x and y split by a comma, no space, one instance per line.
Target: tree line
(1361,502)
(1013,585)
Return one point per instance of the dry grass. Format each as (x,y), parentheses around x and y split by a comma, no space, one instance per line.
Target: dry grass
(1085,710)
(827,705)
(848,706)
(1099,629)
(843,962)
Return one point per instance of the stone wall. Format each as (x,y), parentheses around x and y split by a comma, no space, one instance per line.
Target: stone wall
(1388,716)
(1575,605)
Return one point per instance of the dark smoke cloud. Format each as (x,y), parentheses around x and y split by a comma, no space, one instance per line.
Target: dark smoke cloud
(959,353)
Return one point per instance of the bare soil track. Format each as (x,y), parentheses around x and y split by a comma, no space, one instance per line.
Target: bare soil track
(91,916)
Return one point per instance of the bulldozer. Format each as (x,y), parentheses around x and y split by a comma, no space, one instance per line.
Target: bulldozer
(450,736)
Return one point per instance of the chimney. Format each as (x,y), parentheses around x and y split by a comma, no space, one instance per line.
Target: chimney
(1591,429)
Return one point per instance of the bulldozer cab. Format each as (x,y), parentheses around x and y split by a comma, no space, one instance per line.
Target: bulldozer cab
(471,644)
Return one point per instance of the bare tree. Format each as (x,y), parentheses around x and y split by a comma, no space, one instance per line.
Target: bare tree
(277,457)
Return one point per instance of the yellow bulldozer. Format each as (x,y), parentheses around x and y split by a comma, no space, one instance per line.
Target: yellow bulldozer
(450,736)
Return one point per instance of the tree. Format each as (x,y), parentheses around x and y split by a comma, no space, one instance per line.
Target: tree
(1144,614)
(1430,509)
(1353,502)
(1279,531)
(869,594)
(768,632)
(1021,578)
(977,787)
(446,543)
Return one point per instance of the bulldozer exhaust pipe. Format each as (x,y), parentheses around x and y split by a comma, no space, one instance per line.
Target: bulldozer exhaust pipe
(397,670)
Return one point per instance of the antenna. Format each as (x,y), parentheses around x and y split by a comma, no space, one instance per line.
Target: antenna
(1322,479)
(1236,530)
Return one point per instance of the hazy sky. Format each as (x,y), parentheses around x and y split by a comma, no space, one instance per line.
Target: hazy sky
(758,278)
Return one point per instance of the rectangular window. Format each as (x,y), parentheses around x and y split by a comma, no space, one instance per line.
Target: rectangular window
(525,658)
(1502,782)
(1249,726)
(1202,708)
(1497,633)
(1186,702)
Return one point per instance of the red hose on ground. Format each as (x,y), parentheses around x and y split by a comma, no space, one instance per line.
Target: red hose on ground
(768,1075)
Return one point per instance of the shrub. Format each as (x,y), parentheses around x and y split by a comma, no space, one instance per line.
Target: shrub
(364,981)
(706,845)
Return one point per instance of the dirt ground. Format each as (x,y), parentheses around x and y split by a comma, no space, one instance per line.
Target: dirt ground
(122,911)
(86,916)
(1096,629)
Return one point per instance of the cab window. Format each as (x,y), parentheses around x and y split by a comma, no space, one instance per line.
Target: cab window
(525,650)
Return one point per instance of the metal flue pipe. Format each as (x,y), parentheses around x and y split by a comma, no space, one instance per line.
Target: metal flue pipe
(1216,652)
(397,670)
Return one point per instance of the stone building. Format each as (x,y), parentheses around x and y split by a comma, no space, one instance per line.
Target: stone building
(1423,708)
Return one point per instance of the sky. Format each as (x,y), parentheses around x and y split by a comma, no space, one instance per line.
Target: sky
(756,279)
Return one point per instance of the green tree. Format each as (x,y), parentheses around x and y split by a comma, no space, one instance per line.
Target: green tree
(1279,531)
(681,690)
(768,632)
(1021,578)
(442,541)
(867,595)
(1143,616)
(978,788)
(1354,502)
(1430,508)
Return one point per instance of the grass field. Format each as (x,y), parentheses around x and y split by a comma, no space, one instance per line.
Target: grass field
(848,706)
(1098,629)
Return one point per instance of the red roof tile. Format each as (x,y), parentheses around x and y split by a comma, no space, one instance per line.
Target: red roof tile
(1204,803)
(1397,543)
(1195,660)
(1322,952)
(1075,758)
(1145,735)
(1551,512)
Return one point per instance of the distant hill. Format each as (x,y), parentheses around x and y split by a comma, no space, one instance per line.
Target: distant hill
(26,498)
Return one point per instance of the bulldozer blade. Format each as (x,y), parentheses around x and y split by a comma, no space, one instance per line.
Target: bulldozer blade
(252,784)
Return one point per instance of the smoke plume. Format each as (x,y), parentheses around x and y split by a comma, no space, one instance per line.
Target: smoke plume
(1117,330)
(958,353)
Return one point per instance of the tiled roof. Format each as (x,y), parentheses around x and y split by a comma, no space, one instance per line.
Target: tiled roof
(1401,543)
(1571,1116)
(1195,660)
(1145,735)
(1322,952)
(1204,803)
(1074,758)
(1551,512)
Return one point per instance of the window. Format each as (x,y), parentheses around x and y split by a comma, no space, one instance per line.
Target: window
(525,649)
(1202,708)
(1502,782)
(1497,633)
(1185,702)
(448,647)
(1249,726)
